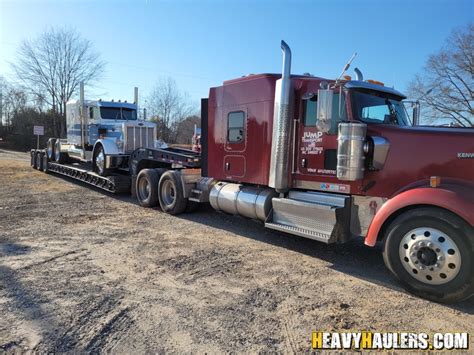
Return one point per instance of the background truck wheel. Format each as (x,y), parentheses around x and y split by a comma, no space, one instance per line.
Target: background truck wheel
(50,148)
(39,161)
(99,162)
(170,193)
(59,157)
(429,251)
(45,162)
(33,159)
(147,188)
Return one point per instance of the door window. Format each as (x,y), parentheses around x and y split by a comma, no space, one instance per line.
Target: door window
(338,113)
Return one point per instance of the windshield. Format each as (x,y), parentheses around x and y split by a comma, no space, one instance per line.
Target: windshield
(377,107)
(118,113)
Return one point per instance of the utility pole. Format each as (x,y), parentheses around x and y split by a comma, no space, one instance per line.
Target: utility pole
(1,106)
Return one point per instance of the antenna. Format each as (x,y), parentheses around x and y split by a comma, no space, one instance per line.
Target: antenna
(347,66)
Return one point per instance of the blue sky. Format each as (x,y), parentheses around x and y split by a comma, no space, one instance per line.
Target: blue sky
(204,42)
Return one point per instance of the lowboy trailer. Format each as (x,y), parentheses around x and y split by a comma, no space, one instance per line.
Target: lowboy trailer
(329,160)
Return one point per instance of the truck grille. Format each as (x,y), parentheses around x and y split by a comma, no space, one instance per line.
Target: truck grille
(139,137)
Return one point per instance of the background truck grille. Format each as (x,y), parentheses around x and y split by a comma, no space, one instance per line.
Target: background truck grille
(139,137)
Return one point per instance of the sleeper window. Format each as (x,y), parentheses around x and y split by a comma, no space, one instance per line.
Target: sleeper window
(235,127)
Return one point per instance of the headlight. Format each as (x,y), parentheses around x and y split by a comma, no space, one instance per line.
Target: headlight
(119,143)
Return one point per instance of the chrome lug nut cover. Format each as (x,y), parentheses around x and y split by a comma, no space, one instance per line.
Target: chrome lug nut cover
(430,255)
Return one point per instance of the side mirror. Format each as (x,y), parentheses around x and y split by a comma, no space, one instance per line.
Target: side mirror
(416,114)
(324,110)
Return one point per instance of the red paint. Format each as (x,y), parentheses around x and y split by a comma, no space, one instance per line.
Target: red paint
(415,154)
(248,161)
(455,198)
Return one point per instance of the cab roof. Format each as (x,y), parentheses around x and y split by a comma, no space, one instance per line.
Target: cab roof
(356,84)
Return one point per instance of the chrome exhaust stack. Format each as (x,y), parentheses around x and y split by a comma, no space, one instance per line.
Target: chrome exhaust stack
(358,73)
(278,174)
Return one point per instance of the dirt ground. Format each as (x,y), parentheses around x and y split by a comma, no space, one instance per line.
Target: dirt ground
(83,270)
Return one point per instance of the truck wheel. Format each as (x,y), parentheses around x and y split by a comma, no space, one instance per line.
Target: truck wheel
(170,193)
(33,159)
(147,188)
(39,161)
(50,148)
(99,162)
(59,157)
(429,251)
(45,162)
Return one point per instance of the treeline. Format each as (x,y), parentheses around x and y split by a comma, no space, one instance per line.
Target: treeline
(47,73)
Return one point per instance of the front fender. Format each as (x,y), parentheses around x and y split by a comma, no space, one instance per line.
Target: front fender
(455,198)
(110,147)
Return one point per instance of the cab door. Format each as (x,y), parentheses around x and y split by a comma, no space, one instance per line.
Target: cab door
(317,151)
(236,143)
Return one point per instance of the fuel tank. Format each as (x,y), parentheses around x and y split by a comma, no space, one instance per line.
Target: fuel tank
(247,201)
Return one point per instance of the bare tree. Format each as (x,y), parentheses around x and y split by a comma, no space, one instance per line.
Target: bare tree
(185,129)
(167,107)
(13,100)
(448,78)
(54,64)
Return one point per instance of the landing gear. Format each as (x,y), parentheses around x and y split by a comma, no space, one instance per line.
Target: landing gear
(429,251)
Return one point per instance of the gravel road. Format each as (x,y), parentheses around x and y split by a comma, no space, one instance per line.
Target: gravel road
(83,270)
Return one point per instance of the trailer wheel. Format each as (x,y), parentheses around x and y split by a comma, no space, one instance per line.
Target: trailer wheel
(147,188)
(429,251)
(45,162)
(59,157)
(39,161)
(170,193)
(33,159)
(99,161)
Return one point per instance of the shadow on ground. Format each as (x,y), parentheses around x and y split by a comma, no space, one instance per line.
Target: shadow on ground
(353,258)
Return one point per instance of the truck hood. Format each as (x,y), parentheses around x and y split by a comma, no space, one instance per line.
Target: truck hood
(417,153)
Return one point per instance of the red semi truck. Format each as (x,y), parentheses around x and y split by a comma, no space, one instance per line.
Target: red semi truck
(329,160)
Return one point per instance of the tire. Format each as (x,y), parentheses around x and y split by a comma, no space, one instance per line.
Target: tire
(429,252)
(50,148)
(59,157)
(33,159)
(99,162)
(45,162)
(39,161)
(147,188)
(170,194)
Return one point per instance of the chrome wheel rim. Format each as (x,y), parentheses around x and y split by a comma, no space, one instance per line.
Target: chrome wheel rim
(100,161)
(143,189)
(168,193)
(49,150)
(430,256)
(57,151)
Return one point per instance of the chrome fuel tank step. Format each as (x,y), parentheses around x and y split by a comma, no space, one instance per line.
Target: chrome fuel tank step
(318,216)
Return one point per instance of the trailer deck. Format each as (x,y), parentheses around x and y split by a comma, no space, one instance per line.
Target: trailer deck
(121,180)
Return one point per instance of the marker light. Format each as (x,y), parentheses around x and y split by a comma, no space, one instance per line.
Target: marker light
(435,181)
(375,82)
